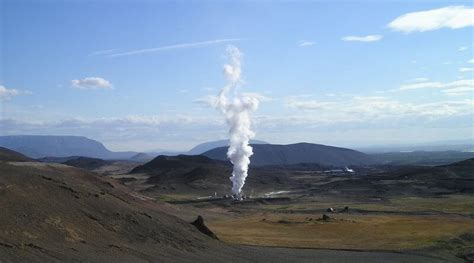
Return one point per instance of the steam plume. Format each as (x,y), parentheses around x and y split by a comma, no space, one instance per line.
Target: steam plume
(237,109)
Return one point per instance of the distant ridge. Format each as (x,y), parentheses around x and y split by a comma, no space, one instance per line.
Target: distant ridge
(206,146)
(273,154)
(38,146)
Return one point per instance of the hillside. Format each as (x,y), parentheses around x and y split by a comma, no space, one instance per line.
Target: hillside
(38,146)
(73,215)
(272,154)
(8,155)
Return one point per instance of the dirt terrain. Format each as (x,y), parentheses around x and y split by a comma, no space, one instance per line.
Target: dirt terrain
(404,209)
(55,212)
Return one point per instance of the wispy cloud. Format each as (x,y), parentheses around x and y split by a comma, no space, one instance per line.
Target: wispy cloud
(176,46)
(452,17)
(466,69)
(362,109)
(91,83)
(305,43)
(419,79)
(7,93)
(293,102)
(459,91)
(458,87)
(463,48)
(369,38)
(102,52)
(471,61)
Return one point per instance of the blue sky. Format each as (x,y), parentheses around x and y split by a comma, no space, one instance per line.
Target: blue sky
(137,75)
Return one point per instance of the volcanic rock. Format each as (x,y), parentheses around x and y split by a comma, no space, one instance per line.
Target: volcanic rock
(199,224)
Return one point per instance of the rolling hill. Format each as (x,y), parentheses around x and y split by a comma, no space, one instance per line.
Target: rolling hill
(272,154)
(198,173)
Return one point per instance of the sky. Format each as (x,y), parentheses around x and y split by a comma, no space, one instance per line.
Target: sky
(142,75)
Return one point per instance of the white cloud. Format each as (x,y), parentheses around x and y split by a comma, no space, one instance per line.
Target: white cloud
(177,46)
(369,38)
(102,52)
(369,109)
(306,43)
(7,93)
(91,83)
(466,69)
(471,61)
(452,17)
(422,85)
(463,48)
(209,100)
(307,104)
(458,87)
(459,91)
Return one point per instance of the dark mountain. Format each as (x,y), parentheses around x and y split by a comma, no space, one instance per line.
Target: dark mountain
(204,147)
(190,170)
(38,146)
(8,155)
(272,154)
(164,162)
(199,173)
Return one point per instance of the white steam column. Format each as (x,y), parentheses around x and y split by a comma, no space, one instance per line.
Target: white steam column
(237,109)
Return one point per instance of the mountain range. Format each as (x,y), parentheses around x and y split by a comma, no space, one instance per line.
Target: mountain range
(38,146)
(41,146)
